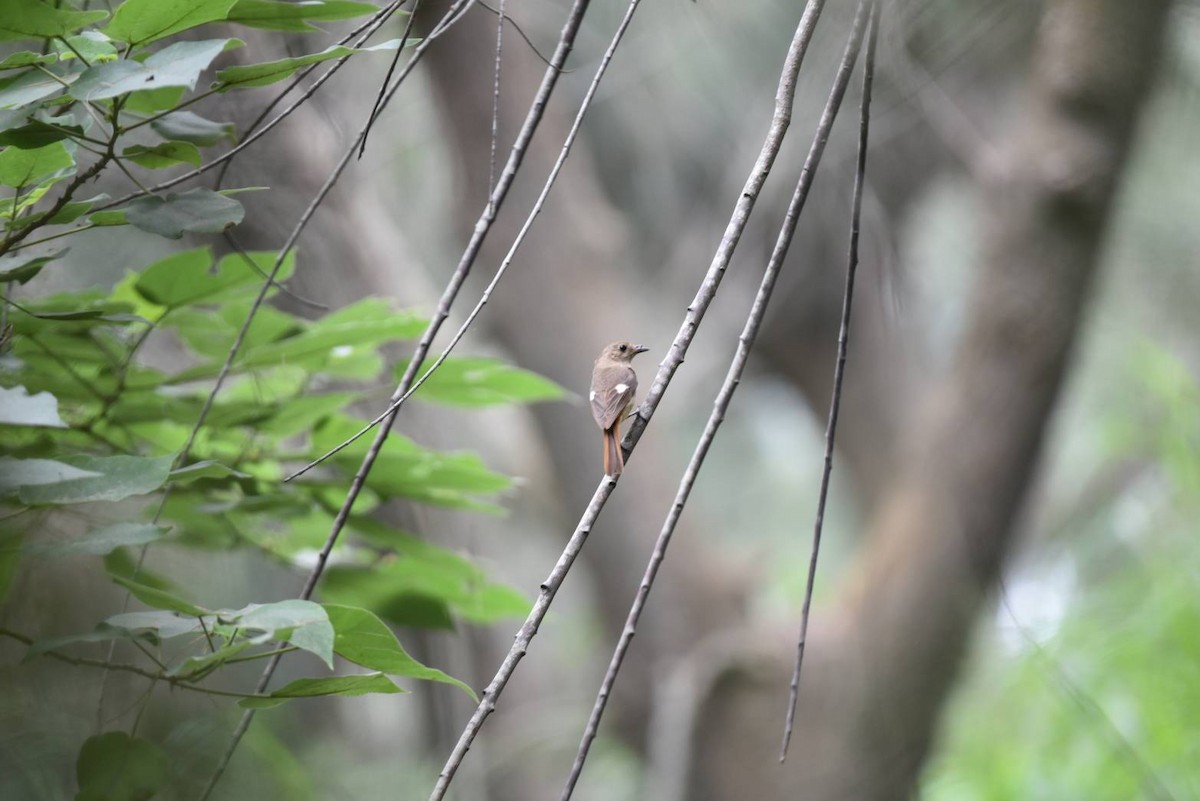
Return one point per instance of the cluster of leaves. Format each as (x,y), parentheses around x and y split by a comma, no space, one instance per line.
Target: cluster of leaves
(93,431)
(87,422)
(105,88)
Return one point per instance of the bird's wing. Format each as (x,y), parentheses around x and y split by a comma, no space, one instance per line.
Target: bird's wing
(613,388)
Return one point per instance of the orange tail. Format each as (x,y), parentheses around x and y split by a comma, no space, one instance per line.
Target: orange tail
(614,460)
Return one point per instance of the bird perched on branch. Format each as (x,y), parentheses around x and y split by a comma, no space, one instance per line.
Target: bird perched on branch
(613,386)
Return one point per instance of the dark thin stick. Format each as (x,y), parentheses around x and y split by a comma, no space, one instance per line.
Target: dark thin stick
(396,403)
(520,32)
(780,120)
(839,369)
(412,17)
(249,262)
(721,404)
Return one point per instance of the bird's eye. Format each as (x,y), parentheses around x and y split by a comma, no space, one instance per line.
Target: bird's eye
(624,348)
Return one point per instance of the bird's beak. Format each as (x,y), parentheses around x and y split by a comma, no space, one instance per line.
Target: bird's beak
(639,349)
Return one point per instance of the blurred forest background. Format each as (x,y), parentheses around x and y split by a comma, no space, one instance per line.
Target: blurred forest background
(1006,604)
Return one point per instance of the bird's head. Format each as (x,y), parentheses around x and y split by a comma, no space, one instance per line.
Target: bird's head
(623,351)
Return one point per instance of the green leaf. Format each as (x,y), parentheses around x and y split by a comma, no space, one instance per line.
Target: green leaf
(116,767)
(29,167)
(178,64)
(365,640)
(32,19)
(108,478)
(334,685)
(153,625)
(19,408)
(199,211)
(161,156)
(95,47)
(197,664)
(27,87)
(473,381)
(102,633)
(304,624)
(294,16)
(250,75)
(152,101)
(26,58)
(109,217)
(21,268)
(205,469)
(37,134)
(140,22)
(188,127)
(18,473)
(187,278)
(161,599)
(104,541)
(368,322)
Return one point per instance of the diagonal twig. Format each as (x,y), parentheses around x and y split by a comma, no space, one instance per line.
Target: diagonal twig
(732,379)
(780,120)
(839,368)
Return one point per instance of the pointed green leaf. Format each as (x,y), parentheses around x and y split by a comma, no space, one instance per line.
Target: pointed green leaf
(164,155)
(205,469)
(178,64)
(110,478)
(161,599)
(140,22)
(295,16)
(365,640)
(29,86)
(302,623)
(116,767)
(36,133)
(29,167)
(103,541)
(16,474)
(21,268)
(33,19)
(334,685)
(250,75)
(196,664)
(26,58)
(188,127)
(199,211)
(473,381)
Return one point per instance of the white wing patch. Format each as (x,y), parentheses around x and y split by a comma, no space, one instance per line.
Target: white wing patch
(592,396)
(621,388)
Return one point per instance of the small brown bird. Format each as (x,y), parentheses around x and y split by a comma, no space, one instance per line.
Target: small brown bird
(613,386)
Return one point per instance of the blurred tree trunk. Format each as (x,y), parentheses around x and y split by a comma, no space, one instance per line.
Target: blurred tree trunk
(883,660)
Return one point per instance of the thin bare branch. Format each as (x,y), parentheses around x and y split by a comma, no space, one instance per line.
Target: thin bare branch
(733,378)
(780,120)
(496,100)
(520,31)
(839,369)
